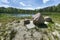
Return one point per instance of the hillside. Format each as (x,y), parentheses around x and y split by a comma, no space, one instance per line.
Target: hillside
(14,10)
(50,9)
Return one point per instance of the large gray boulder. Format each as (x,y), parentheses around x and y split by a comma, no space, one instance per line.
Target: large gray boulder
(38,19)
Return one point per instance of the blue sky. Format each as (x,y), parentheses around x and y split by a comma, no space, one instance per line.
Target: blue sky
(28,4)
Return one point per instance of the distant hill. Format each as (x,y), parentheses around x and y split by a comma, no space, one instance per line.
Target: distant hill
(51,9)
(14,10)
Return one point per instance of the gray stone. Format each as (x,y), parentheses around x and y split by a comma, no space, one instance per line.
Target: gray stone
(31,25)
(48,19)
(38,19)
(45,37)
(37,35)
(26,21)
(51,37)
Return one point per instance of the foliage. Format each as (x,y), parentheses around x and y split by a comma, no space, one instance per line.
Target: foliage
(14,10)
(50,9)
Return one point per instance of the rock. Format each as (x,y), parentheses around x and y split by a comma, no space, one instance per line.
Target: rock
(38,19)
(45,37)
(26,21)
(50,36)
(37,35)
(46,22)
(31,25)
(48,19)
(56,33)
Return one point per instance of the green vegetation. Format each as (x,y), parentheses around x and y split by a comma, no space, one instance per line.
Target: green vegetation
(11,10)
(50,9)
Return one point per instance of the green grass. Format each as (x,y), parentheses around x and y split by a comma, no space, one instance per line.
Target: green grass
(5,18)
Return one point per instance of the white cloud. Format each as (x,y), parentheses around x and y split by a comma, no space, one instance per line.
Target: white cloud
(5,1)
(23,4)
(56,4)
(38,7)
(31,8)
(4,5)
(28,8)
(45,1)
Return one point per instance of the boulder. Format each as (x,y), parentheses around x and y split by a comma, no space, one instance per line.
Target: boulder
(26,21)
(38,19)
(31,25)
(48,19)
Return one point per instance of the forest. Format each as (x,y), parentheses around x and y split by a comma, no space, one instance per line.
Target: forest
(51,9)
(15,10)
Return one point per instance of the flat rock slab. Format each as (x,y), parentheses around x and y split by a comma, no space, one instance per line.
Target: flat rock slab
(31,25)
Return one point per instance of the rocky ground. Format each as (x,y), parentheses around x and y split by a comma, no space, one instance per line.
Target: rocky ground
(17,31)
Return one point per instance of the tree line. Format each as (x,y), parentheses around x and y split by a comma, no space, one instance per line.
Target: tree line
(51,9)
(15,10)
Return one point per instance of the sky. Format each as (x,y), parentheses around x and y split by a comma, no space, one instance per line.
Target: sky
(28,4)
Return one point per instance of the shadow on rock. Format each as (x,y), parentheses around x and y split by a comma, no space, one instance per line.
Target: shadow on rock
(42,26)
